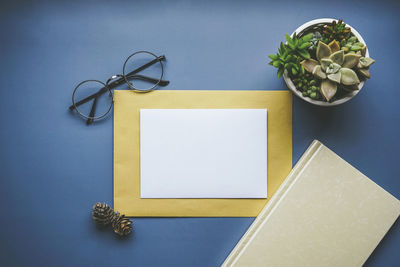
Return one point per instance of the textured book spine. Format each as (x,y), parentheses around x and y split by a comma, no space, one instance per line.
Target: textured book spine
(267,210)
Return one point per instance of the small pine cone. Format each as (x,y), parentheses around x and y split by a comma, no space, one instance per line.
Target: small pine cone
(102,214)
(122,225)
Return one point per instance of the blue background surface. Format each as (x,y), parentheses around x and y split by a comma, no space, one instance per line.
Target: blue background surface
(53,168)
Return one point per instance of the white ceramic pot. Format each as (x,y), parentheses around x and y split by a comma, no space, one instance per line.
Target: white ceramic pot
(290,84)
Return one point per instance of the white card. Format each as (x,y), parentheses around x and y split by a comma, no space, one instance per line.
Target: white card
(203,153)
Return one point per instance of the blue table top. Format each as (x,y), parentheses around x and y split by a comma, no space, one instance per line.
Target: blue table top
(53,167)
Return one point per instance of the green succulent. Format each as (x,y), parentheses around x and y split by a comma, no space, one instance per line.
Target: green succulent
(308,85)
(291,54)
(334,69)
(352,44)
(314,40)
(335,31)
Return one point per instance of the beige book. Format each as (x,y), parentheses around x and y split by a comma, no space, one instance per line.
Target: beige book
(326,213)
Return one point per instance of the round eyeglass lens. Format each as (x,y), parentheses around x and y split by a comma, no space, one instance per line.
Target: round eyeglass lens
(148,77)
(103,102)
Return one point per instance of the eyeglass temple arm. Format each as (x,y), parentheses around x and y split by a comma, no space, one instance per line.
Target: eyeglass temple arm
(148,79)
(122,80)
(92,111)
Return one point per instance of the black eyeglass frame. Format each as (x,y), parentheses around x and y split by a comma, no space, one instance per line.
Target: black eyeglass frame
(92,110)
(124,78)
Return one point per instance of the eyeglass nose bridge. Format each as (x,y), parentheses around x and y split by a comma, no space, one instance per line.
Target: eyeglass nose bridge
(113,77)
(109,80)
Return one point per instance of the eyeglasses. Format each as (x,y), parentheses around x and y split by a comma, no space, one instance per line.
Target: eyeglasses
(93,99)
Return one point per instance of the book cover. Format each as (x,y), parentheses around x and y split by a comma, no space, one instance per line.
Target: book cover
(326,213)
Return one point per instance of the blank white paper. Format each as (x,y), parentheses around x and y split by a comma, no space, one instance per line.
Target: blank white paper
(203,153)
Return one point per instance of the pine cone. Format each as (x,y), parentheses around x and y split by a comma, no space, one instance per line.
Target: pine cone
(122,225)
(102,214)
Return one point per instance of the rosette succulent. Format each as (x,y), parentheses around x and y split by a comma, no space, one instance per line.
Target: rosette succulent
(363,66)
(333,67)
(316,37)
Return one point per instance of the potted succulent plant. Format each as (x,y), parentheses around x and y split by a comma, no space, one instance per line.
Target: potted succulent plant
(325,62)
